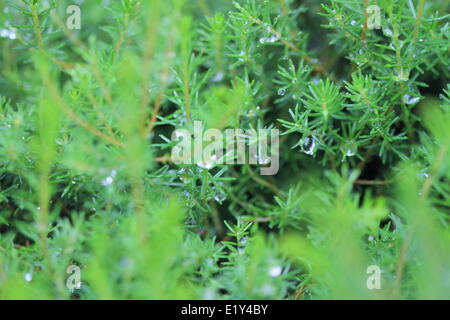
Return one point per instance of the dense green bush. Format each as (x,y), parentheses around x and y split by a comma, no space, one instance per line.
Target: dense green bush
(87,179)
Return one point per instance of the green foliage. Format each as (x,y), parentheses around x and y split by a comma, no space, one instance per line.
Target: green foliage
(86,177)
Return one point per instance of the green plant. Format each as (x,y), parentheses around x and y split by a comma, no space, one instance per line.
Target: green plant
(87,179)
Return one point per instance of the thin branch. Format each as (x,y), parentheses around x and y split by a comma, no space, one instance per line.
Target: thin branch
(373,182)
(62,104)
(283,7)
(164,77)
(366,18)
(93,62)
(122,35)
(418,18)
(40,38)
(264,182)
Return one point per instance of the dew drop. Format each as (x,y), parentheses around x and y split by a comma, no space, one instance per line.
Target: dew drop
(264,160)
(109,180)
(350,149)
(350,152)
(275,271)
(220,197)
(269,39)
(387,32)
(273,38)
(182,175)
(251,113)
(281,92)
(309,145)
(206,164)
(28,277)
(410,99)
(218,77)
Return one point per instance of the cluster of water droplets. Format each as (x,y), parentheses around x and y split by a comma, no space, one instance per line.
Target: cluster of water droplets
(253,112)
(208,163)
(424,175)
(182,119)
(184,173)
(270,37)
(402,73)
(215,192)
(360,57)
(259,159)
(94,202)
(242,56)
(9,34)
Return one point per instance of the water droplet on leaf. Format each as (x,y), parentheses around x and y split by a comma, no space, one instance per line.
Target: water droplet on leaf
(350,149)
(206,164)
(28,277)
(387,32)
(410,99)
(309,145)
(275,271)
(218,77)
